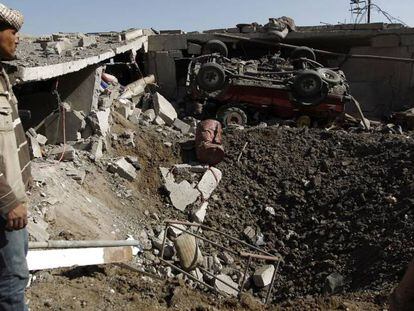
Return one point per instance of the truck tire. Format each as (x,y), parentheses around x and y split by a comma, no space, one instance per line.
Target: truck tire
(211,77)
(307,84)
(303,52)
(228,115)
(216,46)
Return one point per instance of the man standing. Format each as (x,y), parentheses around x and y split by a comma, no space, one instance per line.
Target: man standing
(14,176)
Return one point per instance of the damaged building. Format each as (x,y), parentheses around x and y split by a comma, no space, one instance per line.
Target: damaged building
(125,136)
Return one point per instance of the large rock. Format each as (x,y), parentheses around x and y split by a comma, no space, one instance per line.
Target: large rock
(164,109)
(263,276)
(224,287)
(188,252)
(124,169)
(209,182)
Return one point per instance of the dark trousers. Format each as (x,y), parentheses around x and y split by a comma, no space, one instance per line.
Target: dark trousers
(14,273)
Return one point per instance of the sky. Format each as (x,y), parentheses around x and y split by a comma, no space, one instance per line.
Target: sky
(51,16)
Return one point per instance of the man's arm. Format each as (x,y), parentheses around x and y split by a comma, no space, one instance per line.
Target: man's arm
(13,211)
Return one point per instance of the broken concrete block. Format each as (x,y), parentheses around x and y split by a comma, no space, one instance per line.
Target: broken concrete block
(125,108)
(134,117)
(69,153)
(221,286)
(181,126)
(188,252)
(226,257)
(176,232)
(250,233)
(100,121)
(132,34)
(74,123)
(334,283)
(96,150)
(263,276)
(164,109)
(104,102)
(149,115)
(209,182)
(134,161)
(41,139)
(35,147)
(182,194)
(124,169)
(159,121)
(199,214)
(197,274)
(169,250)
(194,49)
(87,41)
(57,47)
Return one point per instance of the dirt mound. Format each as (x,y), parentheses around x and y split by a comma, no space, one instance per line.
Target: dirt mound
(342,203)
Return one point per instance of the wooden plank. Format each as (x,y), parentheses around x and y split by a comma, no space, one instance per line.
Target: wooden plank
(64,258)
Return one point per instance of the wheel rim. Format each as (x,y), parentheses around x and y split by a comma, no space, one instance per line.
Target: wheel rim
(211,78)
(234,118)
(309,85)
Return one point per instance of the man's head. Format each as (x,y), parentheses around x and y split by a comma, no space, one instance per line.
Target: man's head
(10,23)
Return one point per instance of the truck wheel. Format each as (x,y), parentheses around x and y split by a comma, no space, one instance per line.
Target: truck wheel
(228,115)
(329,75)
(216,46)
(303,52)
(211,77)
(307,84)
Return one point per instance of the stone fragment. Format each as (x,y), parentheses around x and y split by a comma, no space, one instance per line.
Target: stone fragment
(41,139)
(174,232)
(182,194)
(96,150)
(35,147)
(169,250)
(124,169)
(334,283)
(134,117)
(134,161)
(199,214)
(226,257)
(100,121)
(125,108)
(188,252)
(164,109)
(221,286)
(209,182)
(149,115)
(250,233)
(86,41)
(181,126)
(159,121)
(263,276)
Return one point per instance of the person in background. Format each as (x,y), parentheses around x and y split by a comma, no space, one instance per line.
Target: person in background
(15,176)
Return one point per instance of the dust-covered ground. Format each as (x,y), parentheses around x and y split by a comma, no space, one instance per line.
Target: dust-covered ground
(342,203)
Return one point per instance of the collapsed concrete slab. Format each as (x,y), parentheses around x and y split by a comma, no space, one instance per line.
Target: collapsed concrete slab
(164,109)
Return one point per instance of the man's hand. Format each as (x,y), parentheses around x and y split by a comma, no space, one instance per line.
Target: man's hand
(17,218)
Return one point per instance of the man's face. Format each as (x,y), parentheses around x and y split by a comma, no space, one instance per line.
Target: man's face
(9,40)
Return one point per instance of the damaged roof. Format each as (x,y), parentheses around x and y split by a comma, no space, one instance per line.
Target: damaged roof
(46,57)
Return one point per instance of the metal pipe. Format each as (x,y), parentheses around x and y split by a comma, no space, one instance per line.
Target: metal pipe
(186,223)
(207,240)
(164,240)
(245,275)
(216,278)
(272,283)
(249,255)
(81,244)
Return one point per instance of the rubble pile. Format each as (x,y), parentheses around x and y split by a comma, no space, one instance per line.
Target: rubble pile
(336,205)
